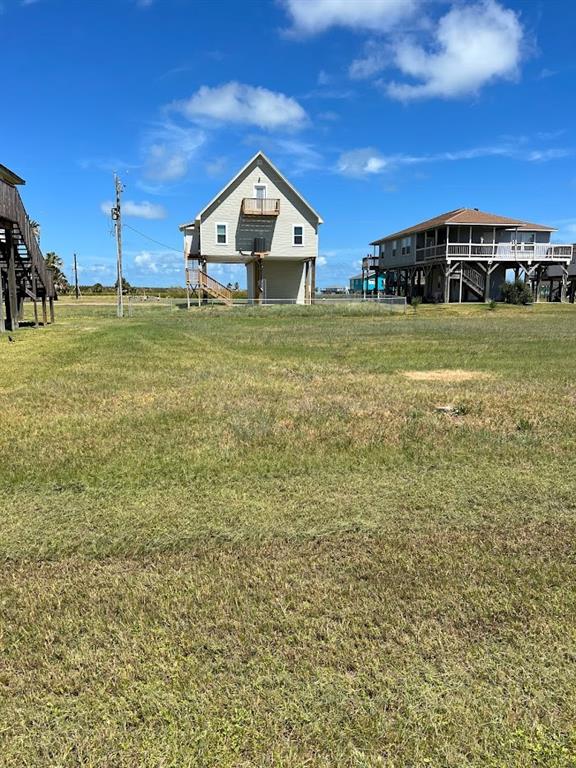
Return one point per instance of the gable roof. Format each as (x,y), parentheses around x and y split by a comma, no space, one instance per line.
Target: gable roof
(9,176)
(253,160)
(466,216)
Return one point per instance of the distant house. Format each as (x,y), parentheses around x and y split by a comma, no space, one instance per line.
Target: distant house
(260,220)
(463,255)
(333,289)
(366,283)
(554,279)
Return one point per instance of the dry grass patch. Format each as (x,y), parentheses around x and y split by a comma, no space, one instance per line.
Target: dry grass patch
(447,375)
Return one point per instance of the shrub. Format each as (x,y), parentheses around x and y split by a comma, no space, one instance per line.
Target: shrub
(415,302)
(517,292)
(492,305)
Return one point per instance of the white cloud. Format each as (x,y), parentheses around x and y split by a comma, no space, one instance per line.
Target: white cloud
(321,261)
(295,156)
(474,45)
(245,105)
(168,149)
(98,270)
(377,56)
(314,16)
(366,162)
(143,210)
(566,231)
(216,166)
(158,262)
(361,162)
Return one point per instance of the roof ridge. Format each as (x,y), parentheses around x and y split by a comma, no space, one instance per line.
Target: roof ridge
(452,217)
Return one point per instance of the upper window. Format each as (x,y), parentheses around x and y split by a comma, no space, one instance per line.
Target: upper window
(222,234)
(260,191)
(526,237)
(298,237)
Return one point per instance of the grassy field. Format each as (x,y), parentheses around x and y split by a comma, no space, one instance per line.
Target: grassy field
(250,538)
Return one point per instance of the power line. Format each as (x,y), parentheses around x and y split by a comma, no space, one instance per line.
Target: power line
(142,234)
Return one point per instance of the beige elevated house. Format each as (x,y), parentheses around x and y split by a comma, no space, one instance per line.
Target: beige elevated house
(260,220)
(463,255)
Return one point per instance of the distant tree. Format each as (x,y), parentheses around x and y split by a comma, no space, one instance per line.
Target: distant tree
(35,227)
(55,263)
(125,285)
(97,288)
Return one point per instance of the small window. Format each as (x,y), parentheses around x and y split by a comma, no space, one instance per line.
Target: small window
(526,237)
(260,191)
(298,234)
(222,234)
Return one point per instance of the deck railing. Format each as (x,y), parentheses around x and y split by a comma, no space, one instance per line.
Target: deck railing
(199,280)
(504,251)
(260,206)
(370,262)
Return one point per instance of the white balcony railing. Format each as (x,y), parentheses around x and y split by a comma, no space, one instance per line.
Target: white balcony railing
(511,251)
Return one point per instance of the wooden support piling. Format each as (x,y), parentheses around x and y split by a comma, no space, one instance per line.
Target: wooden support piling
(2,324)
(12,292)
(313,280)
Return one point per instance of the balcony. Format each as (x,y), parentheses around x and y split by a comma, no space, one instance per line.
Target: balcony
(260,206)
(370,262)
(510,251)
(496,251)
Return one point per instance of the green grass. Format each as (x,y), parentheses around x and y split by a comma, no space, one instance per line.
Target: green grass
(247,538)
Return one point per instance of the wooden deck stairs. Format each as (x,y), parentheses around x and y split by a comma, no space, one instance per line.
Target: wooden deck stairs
(474,280)
(202,283)
(23,269)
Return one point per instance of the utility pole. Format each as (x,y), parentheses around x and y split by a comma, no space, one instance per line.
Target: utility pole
(117,219)
(77,289)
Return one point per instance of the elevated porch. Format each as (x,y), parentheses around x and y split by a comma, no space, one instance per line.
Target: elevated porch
(515,252)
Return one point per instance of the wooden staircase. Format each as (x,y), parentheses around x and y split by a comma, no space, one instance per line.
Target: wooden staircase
(474,280)
(202,283)
(23,270)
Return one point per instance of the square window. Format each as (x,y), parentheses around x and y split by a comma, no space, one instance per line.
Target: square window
(298,235)
(221,234)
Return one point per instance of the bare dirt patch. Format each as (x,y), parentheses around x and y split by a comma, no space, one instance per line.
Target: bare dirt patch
(446,374)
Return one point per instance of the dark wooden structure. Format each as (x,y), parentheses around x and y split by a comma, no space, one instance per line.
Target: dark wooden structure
(23,270)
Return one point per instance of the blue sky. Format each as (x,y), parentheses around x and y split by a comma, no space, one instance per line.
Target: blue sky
(382,113)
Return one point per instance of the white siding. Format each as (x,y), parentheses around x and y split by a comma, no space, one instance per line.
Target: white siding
(276,230)
(285,280)
(192,239)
